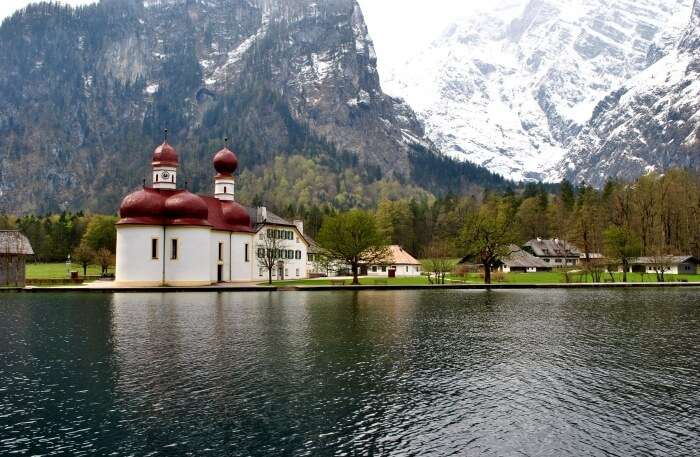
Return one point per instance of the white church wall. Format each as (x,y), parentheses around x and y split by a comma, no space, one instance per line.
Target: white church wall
(242,266)
(135,263)
(192,265)
(225,260)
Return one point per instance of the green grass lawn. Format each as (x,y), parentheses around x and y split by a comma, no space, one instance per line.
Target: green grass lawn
(365,281)
(58,270)
(510,278)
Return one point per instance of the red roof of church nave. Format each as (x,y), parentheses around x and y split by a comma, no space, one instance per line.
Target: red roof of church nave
(151,206)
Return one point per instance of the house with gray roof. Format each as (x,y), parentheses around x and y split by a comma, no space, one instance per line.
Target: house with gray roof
(555,252)
(14,249)
(521,261)
(667,264)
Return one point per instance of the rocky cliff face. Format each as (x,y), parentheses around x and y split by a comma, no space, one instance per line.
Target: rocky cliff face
(511,89)
(651,123)
(85,94)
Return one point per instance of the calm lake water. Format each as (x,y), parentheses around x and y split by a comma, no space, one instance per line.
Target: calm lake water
(371,373)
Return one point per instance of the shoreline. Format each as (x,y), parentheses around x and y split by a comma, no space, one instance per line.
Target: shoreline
(329,288)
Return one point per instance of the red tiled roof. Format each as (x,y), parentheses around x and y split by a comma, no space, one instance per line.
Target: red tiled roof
(227,216)
(168,207)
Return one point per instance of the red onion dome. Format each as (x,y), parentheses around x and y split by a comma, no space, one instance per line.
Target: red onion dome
(185,208)
(235,214)
(165,156)
(225,162)
(146,206)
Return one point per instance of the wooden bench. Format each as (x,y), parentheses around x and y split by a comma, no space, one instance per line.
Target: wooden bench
(337,282)
(383,282)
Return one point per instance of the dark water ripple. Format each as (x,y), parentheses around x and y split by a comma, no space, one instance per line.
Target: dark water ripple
(554,373)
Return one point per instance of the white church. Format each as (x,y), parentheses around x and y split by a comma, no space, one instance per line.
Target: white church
(170,237)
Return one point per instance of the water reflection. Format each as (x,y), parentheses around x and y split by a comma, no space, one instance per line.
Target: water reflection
(404,372)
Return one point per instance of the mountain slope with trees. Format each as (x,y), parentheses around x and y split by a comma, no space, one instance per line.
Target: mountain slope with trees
(85,94)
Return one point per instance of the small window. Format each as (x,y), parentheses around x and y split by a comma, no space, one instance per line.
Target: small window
(406,269)
(173,250)
(247,253)
(383,269)
(156,178)
(298,255)
(374,269)
(221,252)
(154,249)
(225,189)
(297,272)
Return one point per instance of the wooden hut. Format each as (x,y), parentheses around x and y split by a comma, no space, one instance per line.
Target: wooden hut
(14,249)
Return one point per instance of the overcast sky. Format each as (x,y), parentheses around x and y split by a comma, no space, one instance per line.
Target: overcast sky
(396,26)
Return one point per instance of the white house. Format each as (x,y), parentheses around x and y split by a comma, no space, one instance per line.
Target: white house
(399,261)
(667,264)
(169,236)
(555,252)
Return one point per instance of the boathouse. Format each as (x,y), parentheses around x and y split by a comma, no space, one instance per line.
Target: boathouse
(14,249)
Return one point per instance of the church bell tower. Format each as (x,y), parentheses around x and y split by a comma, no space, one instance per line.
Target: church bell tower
(165,162)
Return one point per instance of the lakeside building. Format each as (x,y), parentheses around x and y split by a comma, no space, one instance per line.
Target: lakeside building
(521,261)
(556,252)
(172,237)
(668,264)
(398,263)
(14,249)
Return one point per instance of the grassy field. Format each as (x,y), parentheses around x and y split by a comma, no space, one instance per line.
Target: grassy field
(363,281)
(559,278)
(58,270)
(510,278)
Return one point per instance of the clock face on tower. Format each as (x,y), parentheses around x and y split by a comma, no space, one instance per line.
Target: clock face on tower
(165,176)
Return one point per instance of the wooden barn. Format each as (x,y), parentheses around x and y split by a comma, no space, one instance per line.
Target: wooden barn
(14,249)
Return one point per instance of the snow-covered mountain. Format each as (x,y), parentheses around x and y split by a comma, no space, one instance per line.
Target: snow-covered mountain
(651,123)
(511,89)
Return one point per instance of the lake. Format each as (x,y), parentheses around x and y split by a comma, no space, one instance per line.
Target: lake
(546,372)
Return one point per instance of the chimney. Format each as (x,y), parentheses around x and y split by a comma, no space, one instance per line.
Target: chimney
(300,225)
(262,214)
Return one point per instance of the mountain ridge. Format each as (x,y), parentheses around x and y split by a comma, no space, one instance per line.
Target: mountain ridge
(519,84)
(650,124)
(85,93)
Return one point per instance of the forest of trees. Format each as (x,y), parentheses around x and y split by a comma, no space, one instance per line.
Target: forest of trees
(655,215)
(90,238)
